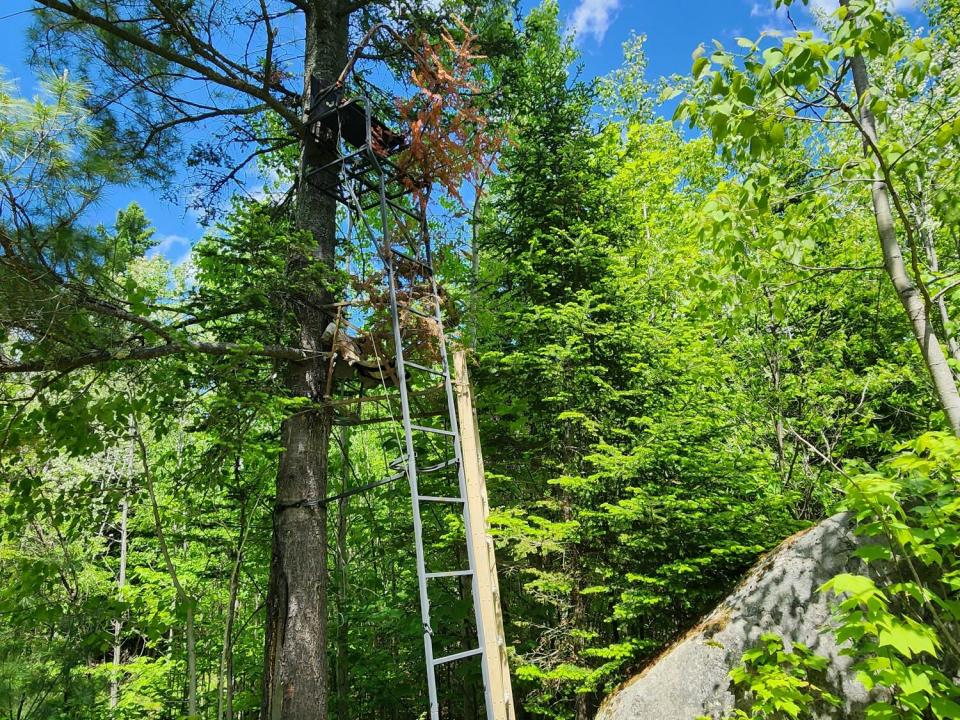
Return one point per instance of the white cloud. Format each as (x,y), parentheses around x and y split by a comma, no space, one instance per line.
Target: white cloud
(174,248)
(593,17)
(761,9)
(774,19)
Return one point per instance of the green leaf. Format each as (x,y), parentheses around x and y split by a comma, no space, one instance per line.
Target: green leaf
(914,680)
(908,638)
(772,57)
(944,135)
(873,552)
(668,93)
(777,133)
(698,66)
(944,708)
(882,711)
(854,585)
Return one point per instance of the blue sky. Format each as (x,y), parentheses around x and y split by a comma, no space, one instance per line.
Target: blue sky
(673,28)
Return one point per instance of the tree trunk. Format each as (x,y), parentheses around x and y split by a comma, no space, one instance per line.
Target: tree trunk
(191,638)
(184,599)
(225,676)
(121,583)
(228,637)
(933,261)
(911,299)
(295,661)
(343,627)
(117,623)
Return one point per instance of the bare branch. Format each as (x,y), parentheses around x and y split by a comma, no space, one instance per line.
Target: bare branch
(70,9)
(157,129)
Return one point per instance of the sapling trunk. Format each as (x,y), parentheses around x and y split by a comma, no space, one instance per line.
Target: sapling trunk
(121,583)
(912,300)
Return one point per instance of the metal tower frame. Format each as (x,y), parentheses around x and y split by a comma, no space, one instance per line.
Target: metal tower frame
(368,179)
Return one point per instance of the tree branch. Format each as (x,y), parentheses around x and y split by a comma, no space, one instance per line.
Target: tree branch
(157,129)
(70,9)
(98,357)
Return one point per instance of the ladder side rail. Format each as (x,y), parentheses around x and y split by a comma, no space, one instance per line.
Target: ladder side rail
(410,471)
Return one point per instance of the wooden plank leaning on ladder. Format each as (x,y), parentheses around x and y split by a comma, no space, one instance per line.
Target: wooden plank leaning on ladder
(494,656)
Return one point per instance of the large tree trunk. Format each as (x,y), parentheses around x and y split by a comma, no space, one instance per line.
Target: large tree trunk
(911,299)
(295,661)
(342,560)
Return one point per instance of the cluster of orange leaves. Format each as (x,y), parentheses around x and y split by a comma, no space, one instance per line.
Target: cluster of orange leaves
(449,136)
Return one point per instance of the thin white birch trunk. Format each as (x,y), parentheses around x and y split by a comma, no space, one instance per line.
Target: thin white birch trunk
(913,303)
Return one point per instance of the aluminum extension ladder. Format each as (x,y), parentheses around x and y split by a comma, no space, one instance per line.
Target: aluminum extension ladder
(372,171)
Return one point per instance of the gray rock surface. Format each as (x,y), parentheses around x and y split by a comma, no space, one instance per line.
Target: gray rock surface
(778,595)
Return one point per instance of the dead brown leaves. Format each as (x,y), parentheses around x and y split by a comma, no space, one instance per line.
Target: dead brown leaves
(451,139)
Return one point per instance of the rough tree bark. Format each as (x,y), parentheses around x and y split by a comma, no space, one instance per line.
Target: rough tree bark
(910,297)
(342,561)
(295,661)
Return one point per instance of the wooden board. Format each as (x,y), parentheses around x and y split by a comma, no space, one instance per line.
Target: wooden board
(496,668)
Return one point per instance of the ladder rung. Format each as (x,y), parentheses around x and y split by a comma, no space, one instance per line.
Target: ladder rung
(333,163)
(440,499)
(457,656)
(366,174)
(440,466)
(449,573)
(401,463)
(436,431)
(358,172)
(394,206)
(424,368)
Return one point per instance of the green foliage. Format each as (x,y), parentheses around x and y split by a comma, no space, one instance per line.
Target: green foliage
(903,621)
(632,490)
(900,620)
(782,112)
(774,682)
(54,157)
(679,343)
